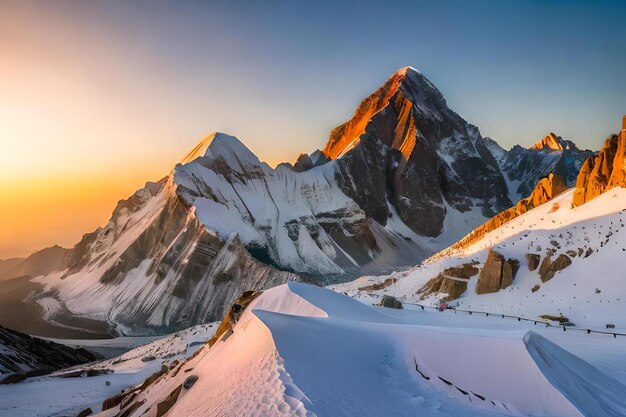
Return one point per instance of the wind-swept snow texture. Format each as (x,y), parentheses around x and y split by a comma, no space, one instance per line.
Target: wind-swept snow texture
(306,351)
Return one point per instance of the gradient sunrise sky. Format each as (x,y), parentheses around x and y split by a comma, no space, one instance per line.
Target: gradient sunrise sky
(96,97)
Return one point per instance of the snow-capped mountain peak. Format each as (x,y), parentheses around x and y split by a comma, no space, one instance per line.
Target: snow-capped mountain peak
(227,147)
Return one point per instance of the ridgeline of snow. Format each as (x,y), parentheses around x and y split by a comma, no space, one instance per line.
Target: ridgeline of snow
(306,351)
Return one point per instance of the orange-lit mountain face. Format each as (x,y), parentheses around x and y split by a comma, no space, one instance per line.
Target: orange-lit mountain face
(607,170)
(551,142)
(346,136)
(416,157)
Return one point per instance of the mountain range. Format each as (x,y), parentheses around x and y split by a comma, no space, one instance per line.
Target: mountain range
(403,179)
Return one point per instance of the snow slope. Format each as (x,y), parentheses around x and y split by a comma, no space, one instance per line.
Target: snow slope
(590,292)
(307,351)
(54,395)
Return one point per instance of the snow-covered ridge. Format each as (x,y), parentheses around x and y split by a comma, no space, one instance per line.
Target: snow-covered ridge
(299,351)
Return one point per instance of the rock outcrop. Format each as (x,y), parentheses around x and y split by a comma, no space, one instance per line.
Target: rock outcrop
(533,259)
(233,314)
(497,273)
(607,170)
(549,267)
(303,163)
(390,302)
(452,282)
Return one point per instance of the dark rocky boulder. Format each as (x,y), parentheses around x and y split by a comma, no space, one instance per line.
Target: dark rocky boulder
(452,281)
(86,412)
(390,302)
(497,273)
(533,259)
(549,267)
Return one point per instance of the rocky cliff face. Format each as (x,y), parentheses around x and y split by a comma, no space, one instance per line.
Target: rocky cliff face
(405,151)
(299,221)
(496,274)
(155,268)
(605,171)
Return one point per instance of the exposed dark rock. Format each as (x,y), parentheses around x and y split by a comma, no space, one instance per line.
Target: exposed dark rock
(165,405)
(86,412)
(533,261)
(560,318)
(390,302)
(497,273)
(452,281)
(233,314)
(189,381)
(535,288)
(303,163)
(111,402)
(394,146)
(549,267)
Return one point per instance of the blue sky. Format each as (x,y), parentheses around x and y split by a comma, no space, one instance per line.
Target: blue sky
(282,74)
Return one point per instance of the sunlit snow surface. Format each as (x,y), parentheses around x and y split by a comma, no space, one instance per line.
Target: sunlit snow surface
(591,292)
(307,351)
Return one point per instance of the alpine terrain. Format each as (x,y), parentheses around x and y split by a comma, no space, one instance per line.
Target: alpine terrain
(401,180)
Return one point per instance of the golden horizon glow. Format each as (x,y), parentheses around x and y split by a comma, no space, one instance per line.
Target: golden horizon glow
(82,126)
